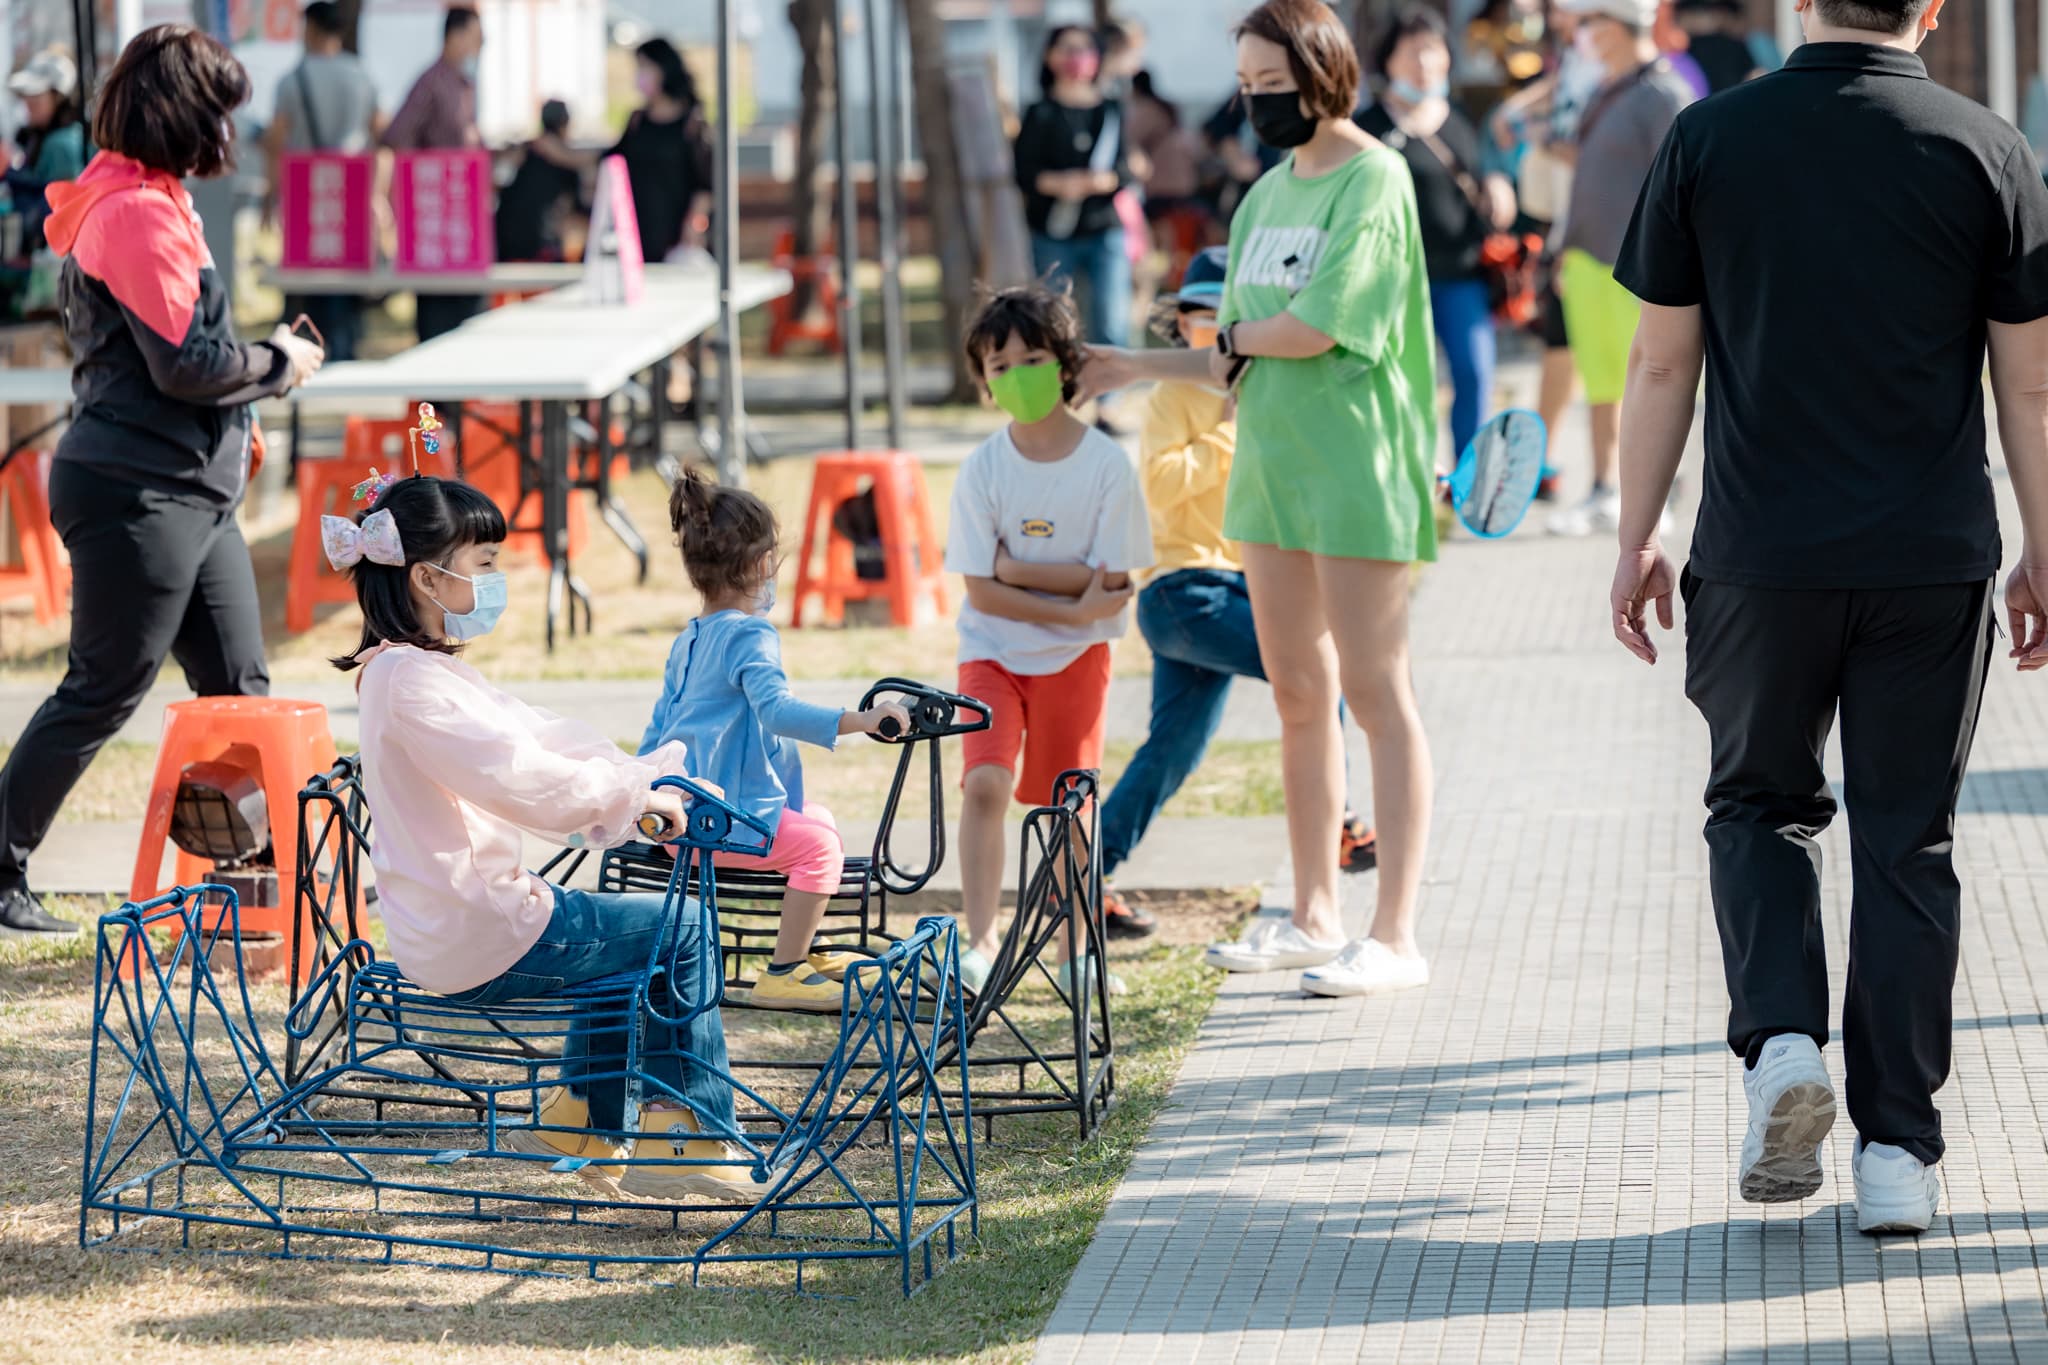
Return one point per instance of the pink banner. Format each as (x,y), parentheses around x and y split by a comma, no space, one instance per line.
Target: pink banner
(324,211)
(442,201)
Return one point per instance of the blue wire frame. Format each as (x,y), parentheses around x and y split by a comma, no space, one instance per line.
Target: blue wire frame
(192,1128)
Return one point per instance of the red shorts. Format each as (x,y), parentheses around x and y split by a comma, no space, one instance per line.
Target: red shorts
(1055,718)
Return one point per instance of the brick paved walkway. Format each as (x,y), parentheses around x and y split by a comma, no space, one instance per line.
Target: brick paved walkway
(1531,1161)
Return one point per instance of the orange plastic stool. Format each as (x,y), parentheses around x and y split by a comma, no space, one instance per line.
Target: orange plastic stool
(821,324)
(903,512)
(490,463)
(280,742)
(44,574)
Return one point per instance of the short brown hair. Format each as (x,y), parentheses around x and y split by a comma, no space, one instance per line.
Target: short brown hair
(1319,52)
(1041,317)
(723,532)
(166,102)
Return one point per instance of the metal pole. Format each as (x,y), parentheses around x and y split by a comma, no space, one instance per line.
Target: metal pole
(2001,59)
(880,119)
(849,225)
(732,411)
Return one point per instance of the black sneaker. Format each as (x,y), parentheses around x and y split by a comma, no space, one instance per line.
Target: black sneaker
(1121,919)
(22,913)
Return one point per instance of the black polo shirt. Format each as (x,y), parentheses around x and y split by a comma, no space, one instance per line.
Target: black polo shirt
(1846,227)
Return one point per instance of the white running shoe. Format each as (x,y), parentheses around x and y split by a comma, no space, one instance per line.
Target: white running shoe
(1367,967)
(1791,1109)
(1271,945)
(1895,1191)
(1599,514)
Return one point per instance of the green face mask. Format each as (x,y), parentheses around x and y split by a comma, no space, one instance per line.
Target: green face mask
(1028,393)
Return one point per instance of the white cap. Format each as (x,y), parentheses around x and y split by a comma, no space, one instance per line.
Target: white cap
(48,71)
(1640,14)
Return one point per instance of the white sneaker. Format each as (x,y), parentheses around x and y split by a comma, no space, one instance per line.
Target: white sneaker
(1601,511)
(1064,976)
(1367,967)
(1791,1109)
(1271,945)
(1895,1192)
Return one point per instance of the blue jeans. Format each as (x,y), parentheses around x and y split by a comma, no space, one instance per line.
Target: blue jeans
(1464,328)
(591,936)
(1101,273)
(1199,625)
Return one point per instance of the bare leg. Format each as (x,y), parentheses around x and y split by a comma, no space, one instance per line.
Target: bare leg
(1606,443)
(984,802)
(1301,661)
(802,913)
(1371,637)
(1554,389)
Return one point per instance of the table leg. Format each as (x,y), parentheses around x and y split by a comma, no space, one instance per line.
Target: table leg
(608,506)
(554,510)
(657,418)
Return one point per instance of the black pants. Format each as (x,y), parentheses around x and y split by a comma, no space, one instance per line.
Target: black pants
(435,314)
(150,575)
(1905,669)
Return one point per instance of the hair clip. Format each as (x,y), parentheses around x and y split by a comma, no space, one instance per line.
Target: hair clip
(424,433)
(372,488)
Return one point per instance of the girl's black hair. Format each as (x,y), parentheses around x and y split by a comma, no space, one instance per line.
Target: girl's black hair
(676,81)
(1052,39)
(436,517)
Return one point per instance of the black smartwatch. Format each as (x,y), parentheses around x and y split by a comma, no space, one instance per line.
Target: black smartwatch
(1223,342)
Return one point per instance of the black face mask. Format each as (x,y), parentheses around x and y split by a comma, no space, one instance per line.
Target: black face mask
(1278,120)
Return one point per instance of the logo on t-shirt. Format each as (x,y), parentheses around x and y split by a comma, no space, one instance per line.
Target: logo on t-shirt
(1283,256)
(1037,528)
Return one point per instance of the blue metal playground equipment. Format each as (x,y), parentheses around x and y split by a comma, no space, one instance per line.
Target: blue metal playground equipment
(393,1134)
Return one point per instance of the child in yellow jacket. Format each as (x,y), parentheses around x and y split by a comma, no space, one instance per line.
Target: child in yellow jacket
(1193,609)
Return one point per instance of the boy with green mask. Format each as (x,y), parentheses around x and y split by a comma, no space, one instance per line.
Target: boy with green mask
(1047,524)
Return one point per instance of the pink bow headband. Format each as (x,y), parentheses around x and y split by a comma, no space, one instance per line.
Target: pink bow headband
(376,540)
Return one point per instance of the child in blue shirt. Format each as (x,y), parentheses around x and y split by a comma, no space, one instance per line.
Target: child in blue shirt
(726,697)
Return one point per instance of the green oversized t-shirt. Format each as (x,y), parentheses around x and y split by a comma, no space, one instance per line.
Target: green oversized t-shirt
(1336,454)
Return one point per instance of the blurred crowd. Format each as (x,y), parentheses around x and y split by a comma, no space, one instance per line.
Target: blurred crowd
(1528,132)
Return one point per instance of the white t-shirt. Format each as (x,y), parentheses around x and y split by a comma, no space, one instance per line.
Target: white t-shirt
(1085,509)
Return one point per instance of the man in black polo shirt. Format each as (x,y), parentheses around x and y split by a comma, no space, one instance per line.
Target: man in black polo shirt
(1838,241)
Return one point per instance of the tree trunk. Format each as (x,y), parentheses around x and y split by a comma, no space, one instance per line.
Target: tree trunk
(945,192)
(811,210)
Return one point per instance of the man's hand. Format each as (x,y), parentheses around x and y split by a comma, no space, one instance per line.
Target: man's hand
(2026,605)
(1643,575)
(1100,602)
(1104,369)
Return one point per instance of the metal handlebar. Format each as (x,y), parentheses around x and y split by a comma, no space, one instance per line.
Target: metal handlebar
(708,831)
(935,714)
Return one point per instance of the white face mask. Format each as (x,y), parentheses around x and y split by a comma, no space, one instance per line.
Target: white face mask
(765,602)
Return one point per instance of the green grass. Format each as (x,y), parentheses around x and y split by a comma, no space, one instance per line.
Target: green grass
(1042,1194)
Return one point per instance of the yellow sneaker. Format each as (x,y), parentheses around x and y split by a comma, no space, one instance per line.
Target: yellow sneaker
(560,1109)
(802,989)
(832,963)
(664,1137)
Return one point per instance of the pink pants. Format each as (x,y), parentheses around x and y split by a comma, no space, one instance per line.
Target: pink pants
(807,851)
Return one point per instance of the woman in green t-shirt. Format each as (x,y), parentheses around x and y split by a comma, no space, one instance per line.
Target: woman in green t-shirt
(1327,336)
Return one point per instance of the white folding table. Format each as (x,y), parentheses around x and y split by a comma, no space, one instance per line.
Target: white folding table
(510,277)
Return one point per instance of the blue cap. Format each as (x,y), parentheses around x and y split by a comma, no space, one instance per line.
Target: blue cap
(1201,284)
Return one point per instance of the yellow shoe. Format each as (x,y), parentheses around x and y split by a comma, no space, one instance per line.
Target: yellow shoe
(663,1140)
(560,1109)
(802,989)
(833,963)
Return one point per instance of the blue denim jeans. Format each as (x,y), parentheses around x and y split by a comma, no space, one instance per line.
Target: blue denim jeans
(1464,328)
(1199,625)
(591,935)
(1101,274)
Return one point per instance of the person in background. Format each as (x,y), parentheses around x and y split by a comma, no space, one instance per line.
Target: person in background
(440,112)
(1123,57)
(52,141)
(1194,609)
(1717,33)
(148,475)
(1458,202)
(1674,42)
(668,152)
(328,104)
(547,186)
(1071,159)
(1171,170)
(1618,136)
